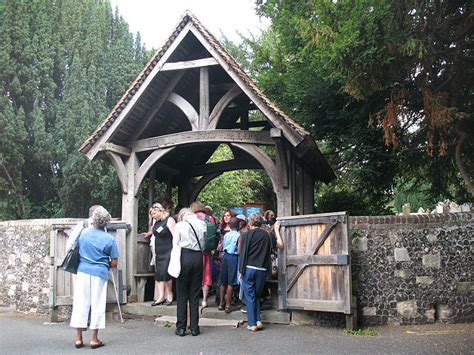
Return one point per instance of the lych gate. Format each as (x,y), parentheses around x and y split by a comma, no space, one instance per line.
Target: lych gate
(190,98)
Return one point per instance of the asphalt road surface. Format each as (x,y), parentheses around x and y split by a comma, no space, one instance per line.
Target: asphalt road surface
(21,334)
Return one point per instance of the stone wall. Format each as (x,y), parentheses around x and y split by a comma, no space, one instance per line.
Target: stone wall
(25,264)
(413,269)
(406,270)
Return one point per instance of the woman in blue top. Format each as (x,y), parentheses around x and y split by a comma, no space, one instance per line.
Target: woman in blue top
(228,277)
(98,252)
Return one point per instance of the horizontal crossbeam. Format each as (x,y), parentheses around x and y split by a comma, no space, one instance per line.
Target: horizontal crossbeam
(193,137)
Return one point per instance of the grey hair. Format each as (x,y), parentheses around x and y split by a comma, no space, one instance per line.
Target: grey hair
(184,213)
(92,209)
(255,220)
(100,217)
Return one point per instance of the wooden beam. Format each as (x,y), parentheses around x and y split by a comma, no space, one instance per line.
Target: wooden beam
(111,147)
(198,63)
(222,166)
(193,137)
(333,259)
(250,124)
(122,173)
(200,184)
(157,105)
(187,109)
(222,104)
(263,159)
(203,98)
(146,165)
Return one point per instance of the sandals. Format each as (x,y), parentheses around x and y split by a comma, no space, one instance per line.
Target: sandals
(97,345)
(228,310)
(78,344)
(221,308)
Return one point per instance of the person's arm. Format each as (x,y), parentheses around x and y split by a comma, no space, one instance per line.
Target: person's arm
(113,262)
(279,240)
(171,224)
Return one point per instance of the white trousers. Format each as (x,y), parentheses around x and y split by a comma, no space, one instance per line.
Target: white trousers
(90,293)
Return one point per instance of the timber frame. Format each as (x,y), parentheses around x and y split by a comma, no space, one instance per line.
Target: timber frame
(190,98)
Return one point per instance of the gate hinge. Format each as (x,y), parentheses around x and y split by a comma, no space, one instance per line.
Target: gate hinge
(52,261)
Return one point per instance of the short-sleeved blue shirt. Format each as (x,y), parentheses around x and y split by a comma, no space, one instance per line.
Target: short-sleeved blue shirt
(96,248)
(230,242)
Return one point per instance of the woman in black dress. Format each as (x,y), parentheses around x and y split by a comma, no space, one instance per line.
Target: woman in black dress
(163,230)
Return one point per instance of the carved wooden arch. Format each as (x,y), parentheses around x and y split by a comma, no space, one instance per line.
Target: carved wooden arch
(187,109)
(122,173)
(146,165)
(221,105)
(267,163)
(200,184)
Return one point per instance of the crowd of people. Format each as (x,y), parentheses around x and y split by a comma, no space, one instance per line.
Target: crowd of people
(235,267)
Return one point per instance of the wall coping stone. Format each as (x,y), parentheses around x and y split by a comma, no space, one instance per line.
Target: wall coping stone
(411,221)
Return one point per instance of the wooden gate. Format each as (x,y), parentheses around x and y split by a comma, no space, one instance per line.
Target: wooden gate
(316,264)
(62,283)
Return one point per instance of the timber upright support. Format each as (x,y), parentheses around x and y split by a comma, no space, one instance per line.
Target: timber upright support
(130,215)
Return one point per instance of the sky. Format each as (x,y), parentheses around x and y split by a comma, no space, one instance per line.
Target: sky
(156,19)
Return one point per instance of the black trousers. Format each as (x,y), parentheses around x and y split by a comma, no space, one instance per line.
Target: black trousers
(188,287)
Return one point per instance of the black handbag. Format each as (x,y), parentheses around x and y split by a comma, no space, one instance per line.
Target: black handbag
(71,260)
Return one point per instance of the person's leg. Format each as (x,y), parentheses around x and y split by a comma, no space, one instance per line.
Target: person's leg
(98,304)
(224,283)
(222,298)
(260,277)
(161,292)
(78,342)
(81,302)
(230,291)
(248,284)
(205,292)
(206,277)
(182,293)
(169,290)
(194,287)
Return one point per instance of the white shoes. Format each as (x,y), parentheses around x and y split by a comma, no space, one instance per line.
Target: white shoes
(204,304)
(259,325)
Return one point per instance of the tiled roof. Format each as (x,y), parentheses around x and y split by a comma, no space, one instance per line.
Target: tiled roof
(125,99)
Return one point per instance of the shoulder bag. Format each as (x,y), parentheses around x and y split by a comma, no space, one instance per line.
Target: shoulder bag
(71,260)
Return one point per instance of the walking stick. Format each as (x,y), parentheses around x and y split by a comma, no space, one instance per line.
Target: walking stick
(116,296)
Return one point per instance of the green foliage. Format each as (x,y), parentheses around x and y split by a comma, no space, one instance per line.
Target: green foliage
(407,65)
(63,65)
(361,332)
(235,188)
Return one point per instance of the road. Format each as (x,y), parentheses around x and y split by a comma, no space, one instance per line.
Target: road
(22,334)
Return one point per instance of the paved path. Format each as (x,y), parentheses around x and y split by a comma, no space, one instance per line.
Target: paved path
(20,334)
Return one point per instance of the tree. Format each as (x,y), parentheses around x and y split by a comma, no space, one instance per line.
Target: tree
(408,62)
(62,67)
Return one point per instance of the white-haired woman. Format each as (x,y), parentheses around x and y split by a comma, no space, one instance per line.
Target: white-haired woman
(163,230)
(189,234)
(98,252)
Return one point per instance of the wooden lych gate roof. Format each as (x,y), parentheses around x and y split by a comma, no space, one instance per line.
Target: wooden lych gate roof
(171,96)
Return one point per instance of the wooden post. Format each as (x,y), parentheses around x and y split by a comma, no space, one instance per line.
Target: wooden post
(130,216)
(203,98)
